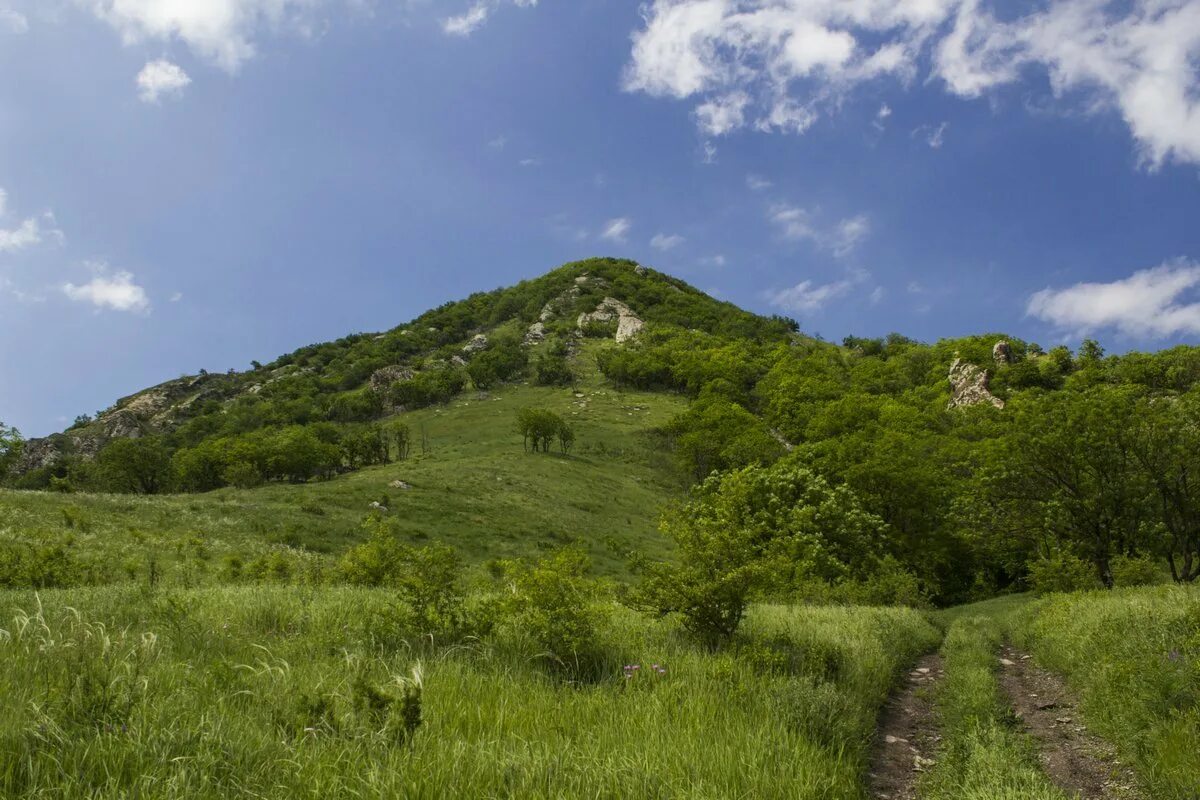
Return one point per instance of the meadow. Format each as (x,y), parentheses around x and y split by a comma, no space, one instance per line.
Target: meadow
(290,692)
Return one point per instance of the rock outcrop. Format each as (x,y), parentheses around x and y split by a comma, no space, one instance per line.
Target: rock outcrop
(536,334)
(478,343)
(1002,353)
(969,386)
(382,379)
(628,323)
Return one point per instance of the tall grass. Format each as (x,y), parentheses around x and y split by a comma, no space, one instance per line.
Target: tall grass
(984,756)
(1133,657)
(284,692)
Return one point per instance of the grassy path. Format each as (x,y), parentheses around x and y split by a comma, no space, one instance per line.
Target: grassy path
(906,739)
(1075,760)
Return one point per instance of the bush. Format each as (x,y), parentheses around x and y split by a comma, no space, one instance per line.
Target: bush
(555,605)
(428,580)
(1140,570)
(1062,572)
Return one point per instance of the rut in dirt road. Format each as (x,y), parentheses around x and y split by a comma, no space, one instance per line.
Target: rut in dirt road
(907,736)
(1075,760)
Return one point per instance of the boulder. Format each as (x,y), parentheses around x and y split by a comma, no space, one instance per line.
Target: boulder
(478,342)
(1002,353)
(639,270)
(382,379)
(536,334)
(628,323)
(969,386)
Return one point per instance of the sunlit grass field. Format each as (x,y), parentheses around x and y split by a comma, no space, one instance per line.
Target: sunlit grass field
(275,692)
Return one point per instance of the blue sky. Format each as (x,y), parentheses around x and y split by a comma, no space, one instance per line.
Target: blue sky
(193,183)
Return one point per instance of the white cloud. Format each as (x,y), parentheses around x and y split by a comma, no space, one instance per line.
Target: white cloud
(498,143)
(713,261)
(530,162)
(616,230)
(473,18)
(160,79)
(723,114)
(26,233)
(1149,303)
(663,242)
(221,31)
(877,295)
(175,297)
(807,296)
(757,183)
(935,137)
(779,64)
(848,233)
(798,224)
(117,292)
(13,21)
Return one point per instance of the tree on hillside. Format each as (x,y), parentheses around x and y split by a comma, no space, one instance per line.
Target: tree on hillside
(1166,444)
(750,532)
(539,428)
(1066,473)
(139,466)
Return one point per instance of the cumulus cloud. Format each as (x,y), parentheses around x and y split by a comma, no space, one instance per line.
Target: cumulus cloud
(160,79)
(664,242)
(616,230)
(473,18)
(117,292)
(780,64)
(1150,303)
(798,224)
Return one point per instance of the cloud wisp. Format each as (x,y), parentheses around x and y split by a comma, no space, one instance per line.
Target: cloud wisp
(1151,303)
(798,224)
(617,230)
(476,16)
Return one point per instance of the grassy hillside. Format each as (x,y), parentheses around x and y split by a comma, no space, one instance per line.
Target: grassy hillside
(476,489)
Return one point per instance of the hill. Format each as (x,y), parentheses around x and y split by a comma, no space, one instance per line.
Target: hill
(973,466)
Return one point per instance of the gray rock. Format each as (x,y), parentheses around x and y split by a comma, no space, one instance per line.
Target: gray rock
(969,386)
(1002,353)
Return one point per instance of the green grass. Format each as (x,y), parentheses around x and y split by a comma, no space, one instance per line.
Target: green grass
(983,754)
(475,490)
(1133,657)
(250,692)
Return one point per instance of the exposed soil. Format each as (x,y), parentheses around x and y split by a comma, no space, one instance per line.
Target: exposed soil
(907,736)
(1075,760)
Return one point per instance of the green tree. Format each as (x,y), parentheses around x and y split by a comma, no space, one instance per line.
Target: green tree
(751,532)
(138,466)
(11,444)
(1066,475)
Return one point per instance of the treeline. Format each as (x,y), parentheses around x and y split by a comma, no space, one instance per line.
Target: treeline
(294,453)
(1093,462)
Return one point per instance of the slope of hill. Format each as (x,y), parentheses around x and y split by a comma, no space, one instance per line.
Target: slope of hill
(475,489)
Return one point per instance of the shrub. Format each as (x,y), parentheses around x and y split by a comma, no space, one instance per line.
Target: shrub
(555,604)
(428,580)
(1062,572)
(1140,570)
